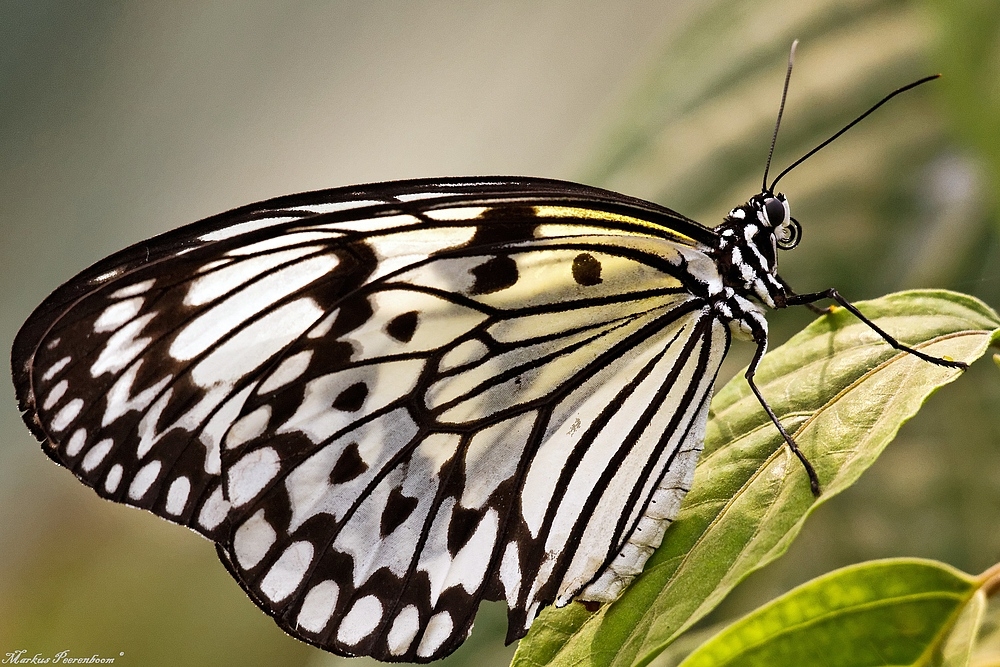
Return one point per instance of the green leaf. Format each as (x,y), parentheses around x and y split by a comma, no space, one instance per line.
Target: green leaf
(891,612)
(842,393)
(986,651)
(956,650)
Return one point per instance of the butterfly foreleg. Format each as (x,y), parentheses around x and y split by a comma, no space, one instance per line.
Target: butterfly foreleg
(832,293)
(789,293)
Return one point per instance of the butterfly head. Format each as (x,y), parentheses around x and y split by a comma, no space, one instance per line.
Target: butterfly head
(773,211)
(749,239)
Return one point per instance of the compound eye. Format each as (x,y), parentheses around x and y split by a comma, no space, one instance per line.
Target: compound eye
(789,234)
(774,209)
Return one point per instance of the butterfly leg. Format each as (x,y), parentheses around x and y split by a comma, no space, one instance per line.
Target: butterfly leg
(811,306)
(808,299)
(751,372)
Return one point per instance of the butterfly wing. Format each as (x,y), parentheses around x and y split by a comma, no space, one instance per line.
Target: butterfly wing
(390,403)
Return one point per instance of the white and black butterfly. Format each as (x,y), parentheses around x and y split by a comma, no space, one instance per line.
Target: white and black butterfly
(390,402)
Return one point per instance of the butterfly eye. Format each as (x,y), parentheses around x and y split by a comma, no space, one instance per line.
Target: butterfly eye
(774,209)
(789,234)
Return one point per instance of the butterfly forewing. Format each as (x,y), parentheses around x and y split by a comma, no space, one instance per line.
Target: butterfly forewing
(136,352)
(390,403)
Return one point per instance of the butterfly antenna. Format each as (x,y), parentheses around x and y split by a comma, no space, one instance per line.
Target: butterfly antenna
(850,125)
(781,110)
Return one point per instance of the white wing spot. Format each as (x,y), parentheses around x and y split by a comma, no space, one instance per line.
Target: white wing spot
(104,277)
(358,623)
(288,370)
(55,368)
(76,442)
(114,478)
(97,454)
(437,631)
(118,314)
(532,613)
(177,496)
(133,290)
(55,394)
(66,415)
(251,474)
(144,479)
(248,427)
(253,540)
(458,213)
(318,605)
(510,573)
(404,630)
(286,574)
(215,510)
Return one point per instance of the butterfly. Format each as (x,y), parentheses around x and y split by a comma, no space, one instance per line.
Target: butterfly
(387,403)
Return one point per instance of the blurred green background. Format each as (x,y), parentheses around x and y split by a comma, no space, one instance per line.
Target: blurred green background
(122,120)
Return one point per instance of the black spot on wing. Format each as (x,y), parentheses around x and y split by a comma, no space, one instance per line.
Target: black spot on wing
(505,223)
(349,466)
(352,398)
(460,529)
(398,509)
(586,269)
(494,274)
(353,312)
(402,326)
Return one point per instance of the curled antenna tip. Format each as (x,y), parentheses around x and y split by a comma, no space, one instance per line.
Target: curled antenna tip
(791,54)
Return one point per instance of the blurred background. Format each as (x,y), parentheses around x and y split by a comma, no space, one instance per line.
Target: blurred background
(123,120)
